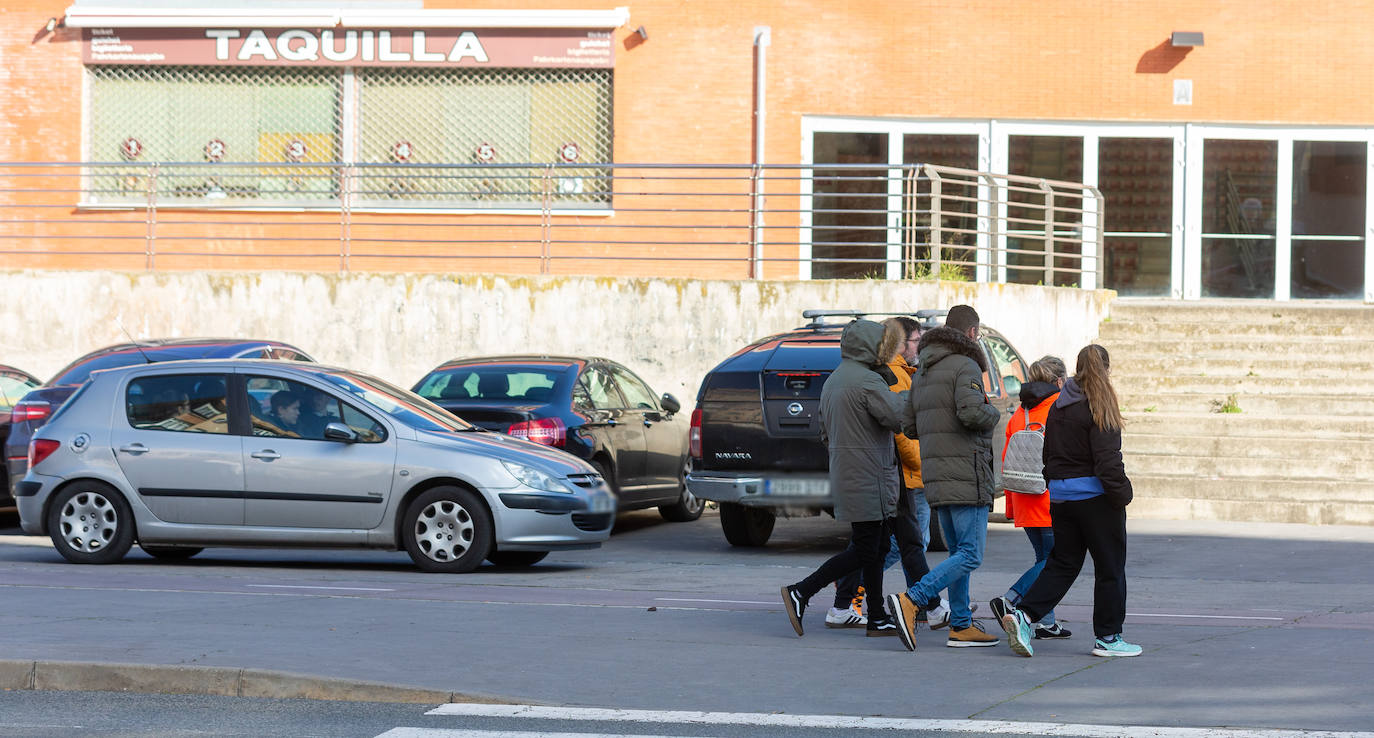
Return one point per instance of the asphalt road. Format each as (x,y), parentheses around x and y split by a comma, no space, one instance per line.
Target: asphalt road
(1244,626)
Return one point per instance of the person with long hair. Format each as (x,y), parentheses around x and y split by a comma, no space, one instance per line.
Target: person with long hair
(1031,512)
(1089,492)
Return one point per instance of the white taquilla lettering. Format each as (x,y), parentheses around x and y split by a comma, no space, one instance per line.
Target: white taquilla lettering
(467,45)
(221,38)
(418,50)
(331,50)
(308,48)
(257,44)
(384,52)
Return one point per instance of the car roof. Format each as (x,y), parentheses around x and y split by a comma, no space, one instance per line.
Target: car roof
(299,367)
(519,359)
(150,350)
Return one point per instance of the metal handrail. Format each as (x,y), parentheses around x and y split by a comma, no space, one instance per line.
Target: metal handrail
(692,220)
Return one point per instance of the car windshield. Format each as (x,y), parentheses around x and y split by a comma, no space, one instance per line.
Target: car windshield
(502,382)
(409,408)
(12,388)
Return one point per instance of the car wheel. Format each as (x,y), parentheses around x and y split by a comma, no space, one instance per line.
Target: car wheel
(746,526)
(606,476)
(516,558)
(937,536)
(448,530)
(170,553)
(687,508)
(91,523)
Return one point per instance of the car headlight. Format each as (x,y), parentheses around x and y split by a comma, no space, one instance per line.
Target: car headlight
(534,478)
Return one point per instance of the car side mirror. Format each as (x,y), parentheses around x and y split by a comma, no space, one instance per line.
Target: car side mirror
(669,403)
(340,432)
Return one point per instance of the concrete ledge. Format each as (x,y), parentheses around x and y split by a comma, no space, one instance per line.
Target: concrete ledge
(80,676)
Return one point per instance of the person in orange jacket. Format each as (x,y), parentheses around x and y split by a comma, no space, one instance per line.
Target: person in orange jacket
(1031,513)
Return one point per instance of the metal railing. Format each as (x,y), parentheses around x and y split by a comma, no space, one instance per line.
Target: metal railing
(706,221)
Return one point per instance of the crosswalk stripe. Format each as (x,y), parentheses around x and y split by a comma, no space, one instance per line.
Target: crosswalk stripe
(847,722)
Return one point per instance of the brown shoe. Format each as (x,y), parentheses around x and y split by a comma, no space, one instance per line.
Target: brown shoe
(972,636)
(903,612)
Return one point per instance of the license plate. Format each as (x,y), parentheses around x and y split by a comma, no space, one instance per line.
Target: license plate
(796,487)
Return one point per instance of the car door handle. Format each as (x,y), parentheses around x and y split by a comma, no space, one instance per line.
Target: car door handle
(610,421)
(266,454)
(134,449)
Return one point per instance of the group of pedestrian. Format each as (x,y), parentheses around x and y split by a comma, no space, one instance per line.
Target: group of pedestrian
(909,430)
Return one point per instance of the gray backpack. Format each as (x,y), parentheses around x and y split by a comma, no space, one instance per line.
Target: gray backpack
(1023,467)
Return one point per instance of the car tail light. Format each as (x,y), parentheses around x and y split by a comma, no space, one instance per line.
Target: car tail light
(546,431)
(39,449)
(694,435)
(38,410)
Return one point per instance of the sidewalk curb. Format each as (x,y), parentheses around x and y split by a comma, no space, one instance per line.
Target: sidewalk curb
(83,676)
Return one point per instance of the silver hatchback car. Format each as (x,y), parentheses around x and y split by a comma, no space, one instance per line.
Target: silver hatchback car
(181,455)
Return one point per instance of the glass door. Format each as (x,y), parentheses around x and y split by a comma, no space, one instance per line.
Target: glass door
(1239,189)
(1329,206)
(849,206)
(1136,177)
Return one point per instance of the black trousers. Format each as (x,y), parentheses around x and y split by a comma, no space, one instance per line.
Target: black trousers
(1097,528)
(914,564)
(868,544)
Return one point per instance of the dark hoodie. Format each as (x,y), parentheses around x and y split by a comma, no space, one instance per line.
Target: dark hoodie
(1076,451)
(1034,393)
(858,415)
(953,419)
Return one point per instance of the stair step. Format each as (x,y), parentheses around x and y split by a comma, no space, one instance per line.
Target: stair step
(1363,329)
(1273,488)
(1123,350)
(1358,368)
(1297,312)
(1247,425)
(1269,405)
(1357,471)
(1221,386)
(1292,450)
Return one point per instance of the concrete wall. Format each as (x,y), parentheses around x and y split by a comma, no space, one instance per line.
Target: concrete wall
(398,326)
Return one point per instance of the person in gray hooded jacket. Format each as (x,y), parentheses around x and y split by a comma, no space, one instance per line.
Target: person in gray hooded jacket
(858,415)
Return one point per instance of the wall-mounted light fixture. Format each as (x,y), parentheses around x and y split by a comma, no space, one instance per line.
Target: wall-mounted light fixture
(50,25)
(1186,38)
(642,33)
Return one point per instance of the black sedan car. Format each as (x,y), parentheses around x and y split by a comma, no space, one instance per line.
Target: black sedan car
(34,408)
(14,384)
(594,409)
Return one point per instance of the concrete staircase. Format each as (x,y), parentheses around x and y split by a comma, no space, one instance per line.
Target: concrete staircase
(1301,447)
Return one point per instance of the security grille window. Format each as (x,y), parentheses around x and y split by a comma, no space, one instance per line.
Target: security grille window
(421,137)
(221,116)
(430,118)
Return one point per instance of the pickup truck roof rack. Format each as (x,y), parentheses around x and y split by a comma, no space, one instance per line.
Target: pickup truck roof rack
(817,317)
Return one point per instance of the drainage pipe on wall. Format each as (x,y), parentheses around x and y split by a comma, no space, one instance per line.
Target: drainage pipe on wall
(763,37)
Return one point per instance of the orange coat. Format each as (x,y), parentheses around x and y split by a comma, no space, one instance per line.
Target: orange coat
(908,449)
(1028,511)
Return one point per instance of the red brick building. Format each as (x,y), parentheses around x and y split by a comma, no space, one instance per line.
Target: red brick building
(1232,141)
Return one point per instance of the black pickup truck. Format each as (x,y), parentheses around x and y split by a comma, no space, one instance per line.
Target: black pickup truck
(755,434)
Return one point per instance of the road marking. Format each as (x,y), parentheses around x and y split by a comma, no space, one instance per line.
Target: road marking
(308,586)
(1206,617)
(451,733)
(728,602)
(849,722)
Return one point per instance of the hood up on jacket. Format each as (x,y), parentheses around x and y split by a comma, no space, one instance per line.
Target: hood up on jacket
(938,343)
(1034,393)
(1070,394)
(859,342)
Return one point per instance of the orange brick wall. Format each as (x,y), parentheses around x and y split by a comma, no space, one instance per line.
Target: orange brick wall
(685,94)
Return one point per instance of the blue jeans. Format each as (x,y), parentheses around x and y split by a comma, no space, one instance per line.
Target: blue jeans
(1042,540)
(921,509)
(966,530)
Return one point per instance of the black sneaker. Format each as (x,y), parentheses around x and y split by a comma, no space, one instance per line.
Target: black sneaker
(795,605)
(1000,607)
(881,626)
(1048,632)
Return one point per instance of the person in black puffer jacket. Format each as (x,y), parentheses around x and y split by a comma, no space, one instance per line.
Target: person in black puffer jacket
(1089,492)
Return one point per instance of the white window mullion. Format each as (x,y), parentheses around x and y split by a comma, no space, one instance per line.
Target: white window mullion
(806,182)
(1369,223)
(1091,248)
(1181,206)
(1283,221)
(1192,222)
(997,163)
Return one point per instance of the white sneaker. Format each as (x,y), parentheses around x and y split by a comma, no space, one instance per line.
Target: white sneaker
(939,617)
(844,618)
